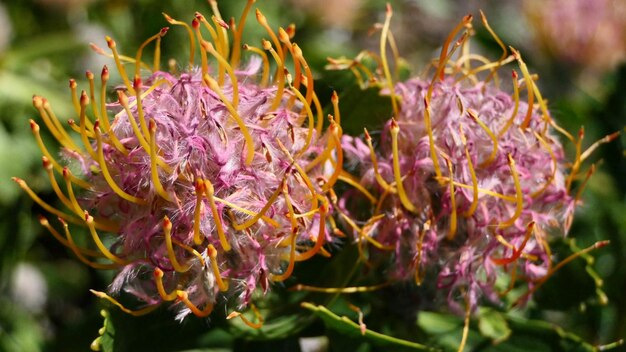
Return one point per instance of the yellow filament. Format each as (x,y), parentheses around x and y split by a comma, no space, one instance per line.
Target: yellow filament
(209,190)
(431,139)
(320,118)
(383,56)
(53,125)
(246,321)
(74,93)
(309,135)
(183,296)
(236,54)
(344,290)
(55,120)
(200,189)
(336,113)
(105,251)
(482,190)
(192,42)
(203,57)
(154,172)
(518,195)
(55,186)
(143,45)
(107,175)
(156,66)
(223,285)
(221,26)
(266,63)
(135,313)
(118,63)
(78,252)
(284,38)
(222,48)
(404,199)
(84,101)
(104,116)
(158,279)
(44,205)
(307,70)
(302,173)
(68,241)
(321,236)
(291,213)
(263,210)
(239,227)
(515,108)
(472,208)
(335,131)
(70,191)
(418,260)
(167,233)
(596,144)
(292,256)
(263,22)
(326,154)
(501,60)
(546,146)
(140,115)
(379,178)
(190,250)
(235,115)
(347,178)
(123,100)
(529,87)
(231,73)
(280,75)
(466,324)
(579,193)
(453,220)
(491,135)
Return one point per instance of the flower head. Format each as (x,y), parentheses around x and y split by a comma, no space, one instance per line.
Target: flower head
(468,182)
(206,181)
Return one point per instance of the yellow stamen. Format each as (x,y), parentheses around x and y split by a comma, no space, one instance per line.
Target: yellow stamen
(491,135)
(104,120)
(606,139)
(246,321)
(167,233)
(223,285)
(321,236)
(472,208)
(453,220)
(418,260)
(105,251)
(466,323)
(154,172)
(379,178)
(309,135)
(515,108)
(383,56)
(335,133)
(307,70)
(231,73)
(107,175)
(120,68)
(70,191)
(44,205)
(192,42)
(347,178)
(135,313)
(123,100)
(500,61)
(518,195)
(209,191)
(68,242)
(53,125)
(73,87)
(79,254)
(158,279)
(47,165)
(431,139)
(236,54)
(280,75)
(222,47)
(263,210)
(529,88)
(157,37)
(137,84)
(263,22)
(183,296)
(195,24)
(266,63)
(221,27)
(292,256)
(84,101)
(547,147)
(239,227)
(404,199)
(343,290)
(579,193)
(235,115)
(301,173)
(200,189)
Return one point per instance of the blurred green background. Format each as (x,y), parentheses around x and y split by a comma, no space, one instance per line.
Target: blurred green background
(45,302)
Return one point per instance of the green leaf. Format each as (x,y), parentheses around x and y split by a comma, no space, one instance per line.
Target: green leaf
(493,325)
(346,326)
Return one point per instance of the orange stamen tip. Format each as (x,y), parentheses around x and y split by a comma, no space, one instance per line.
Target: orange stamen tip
(18,180)
(33,125)
(46,163)
(233,315)
(72,83)
(71,122)
(222,23)
(394,125)
(367,135)
(207,46)
(42,220)
(137,83)
(182,295)
(266,44)
(209,186)
(601,244)
(152,125)
(66,173)
(89,74)
(88,218)
(110,42)
(158,273)
(84,98)
(468,18)
(105,73)
(195,23)
(581,132)
(37,101)
(260,17)
(291,30)
(98,293)
(514,74)
(167,224)
(199,185)
(168,18)
(389,10)
(211,251)
(96,125)
(334,98)
(163,31)
(96,48)
(282,35)
(246,47)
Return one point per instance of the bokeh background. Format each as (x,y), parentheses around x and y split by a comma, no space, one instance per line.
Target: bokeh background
(45,302)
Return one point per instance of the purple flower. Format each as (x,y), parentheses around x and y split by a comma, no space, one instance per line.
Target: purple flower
(467,182)
(206,182)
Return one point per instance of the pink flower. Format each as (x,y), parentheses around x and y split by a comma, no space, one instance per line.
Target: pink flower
(208,182)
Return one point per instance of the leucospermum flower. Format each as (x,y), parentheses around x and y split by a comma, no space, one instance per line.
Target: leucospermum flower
(468,182)
(209,182)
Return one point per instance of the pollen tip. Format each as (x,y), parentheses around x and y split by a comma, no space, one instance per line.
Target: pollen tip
(84,98)
(233,315)
(158,273)
(110,42)
(43,220)
(601,244)
(105,73)
(72,83)
(211,251)
(389,10)
(167,17)
(163,31)
(33,125)
(46,163)
(167,224)
(137,82)
(89,74)
(367,134)
(514,74)
(98,293)
(282,35)
(266,44)
(394,125)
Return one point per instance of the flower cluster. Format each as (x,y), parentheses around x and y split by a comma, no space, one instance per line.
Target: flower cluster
(206,183)
(590,34)
(468,181)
